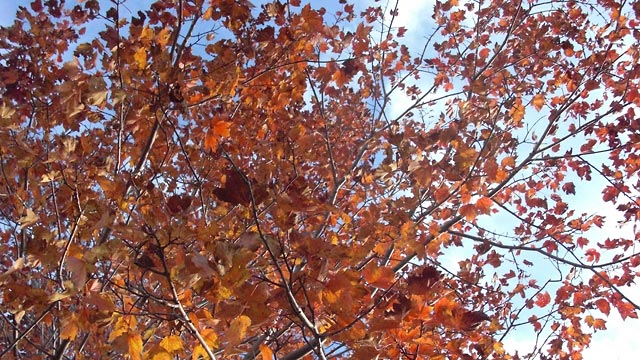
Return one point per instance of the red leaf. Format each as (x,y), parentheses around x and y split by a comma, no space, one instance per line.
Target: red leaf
(626,310)
(543,299)
(604,306)
(592,255)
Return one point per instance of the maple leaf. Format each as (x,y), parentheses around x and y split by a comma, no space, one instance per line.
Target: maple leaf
(134,342)
(381,277)
(236,190)
(28,218)
(543,299)
(140,58)
(70,328)
(470,320)
(423,282)
(221,128)
(538,101)
(238,329)
(178,203)
(603,305)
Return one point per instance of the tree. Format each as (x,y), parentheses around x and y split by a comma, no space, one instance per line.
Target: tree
(228,180)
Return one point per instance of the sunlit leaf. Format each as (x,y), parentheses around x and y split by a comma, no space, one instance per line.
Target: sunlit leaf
(238,330)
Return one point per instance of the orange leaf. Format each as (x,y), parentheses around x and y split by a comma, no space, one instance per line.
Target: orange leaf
(517,111)
(483,205)
(468,211)
(538,101)
(221,128)
(509,161)
(442,193)
(210,141)
(375,275)
(626,310)
(340,78)
(444,308)
(266,352)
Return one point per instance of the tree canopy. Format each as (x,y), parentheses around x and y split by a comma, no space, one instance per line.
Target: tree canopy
(276,179)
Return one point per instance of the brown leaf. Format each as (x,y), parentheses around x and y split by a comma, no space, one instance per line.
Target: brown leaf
(236,191)
(422,282)
(470,320)
(401,306)
(178,203)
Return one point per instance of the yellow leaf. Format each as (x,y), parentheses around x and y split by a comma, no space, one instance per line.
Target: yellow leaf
(162,355)
(28,219)
(498,348)
(97,98)
(69,330)
(199,353)
(538,101)
(163,37)
(135,346)
(121,327)
(140,58)
(172,343)
(146,35)
(238,330)
(6,111)
(51,176)
(58,296)
(210,337)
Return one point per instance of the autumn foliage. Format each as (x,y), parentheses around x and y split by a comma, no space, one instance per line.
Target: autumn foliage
(227,179)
